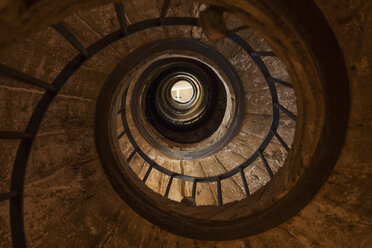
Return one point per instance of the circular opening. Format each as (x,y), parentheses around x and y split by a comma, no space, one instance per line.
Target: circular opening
(182,91)
(179,100)
(179,95)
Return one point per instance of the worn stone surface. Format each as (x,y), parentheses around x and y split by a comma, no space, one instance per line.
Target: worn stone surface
(47,156)
(4,225)
(16,108)
(213,23)
(59,194)
(7,156)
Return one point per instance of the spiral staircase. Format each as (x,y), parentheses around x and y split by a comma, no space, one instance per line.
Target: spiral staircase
(73,103)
